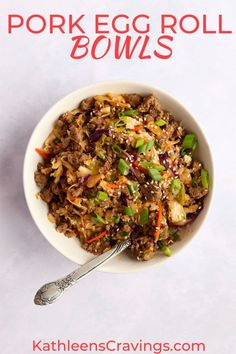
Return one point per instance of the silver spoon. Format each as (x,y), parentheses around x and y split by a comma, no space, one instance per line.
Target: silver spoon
(50,292)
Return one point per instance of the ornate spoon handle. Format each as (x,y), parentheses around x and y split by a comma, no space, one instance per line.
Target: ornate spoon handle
(50,292)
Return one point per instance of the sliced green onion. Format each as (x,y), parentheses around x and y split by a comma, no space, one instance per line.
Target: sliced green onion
(129,113)
(150,145)
(103,138)
(166,250)
(121,122)
(99,151)
(144,217)
(184,152)
(158,145)
(154,174)
(175,236)
(99,219)
(123,167)
(113,178)
(128,211)
(142,148)
(190,141)
(145,164)
(139,142)
(149,164)
(133,188)
(182,195)
(102,196)
(176,186)
(204,178)
(160,168)
(194,182)
(116,219)
(146,147)
(160,122)
(116,149)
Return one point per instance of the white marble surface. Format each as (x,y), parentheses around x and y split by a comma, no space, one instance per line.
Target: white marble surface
(189,298)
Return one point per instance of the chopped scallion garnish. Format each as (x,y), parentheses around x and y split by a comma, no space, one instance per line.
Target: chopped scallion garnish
(116,219)
(160,122)
(116,149)
(121,122)
(175,236)
(102,196)
(146,147)
(176,186)
(194,182)
(113,178)
(157,144)
(129,113)
(166,250)
(189,142)
(154,174)
(144,217)
(133,188)
(139,142)
(123,167)
(99,219)
(149,164)
(128,211)
(204,178)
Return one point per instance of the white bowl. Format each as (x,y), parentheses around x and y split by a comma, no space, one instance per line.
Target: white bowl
(70,247)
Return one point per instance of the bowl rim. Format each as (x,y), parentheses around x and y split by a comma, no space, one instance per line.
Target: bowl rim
(145,87)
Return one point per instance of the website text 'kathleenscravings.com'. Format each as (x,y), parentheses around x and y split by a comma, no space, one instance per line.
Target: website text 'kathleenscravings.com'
(113,346)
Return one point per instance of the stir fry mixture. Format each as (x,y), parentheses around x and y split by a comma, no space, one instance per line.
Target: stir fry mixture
(118,167)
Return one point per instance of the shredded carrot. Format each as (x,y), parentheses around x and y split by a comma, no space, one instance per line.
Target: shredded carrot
(159,217)
(72,198)
(140,168)
(137,128)
(97,237)
(43,154)
(112,185)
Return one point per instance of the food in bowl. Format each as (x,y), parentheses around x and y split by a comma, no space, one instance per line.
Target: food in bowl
(118,167)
